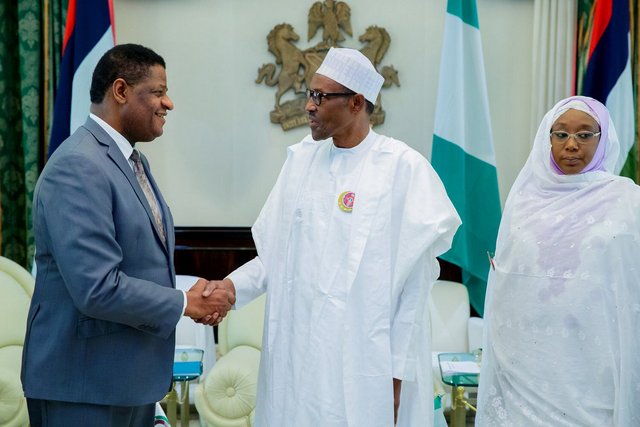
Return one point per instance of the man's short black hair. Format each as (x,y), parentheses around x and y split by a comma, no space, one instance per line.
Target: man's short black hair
(130,62)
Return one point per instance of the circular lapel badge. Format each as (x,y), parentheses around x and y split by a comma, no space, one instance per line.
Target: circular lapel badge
(345,200)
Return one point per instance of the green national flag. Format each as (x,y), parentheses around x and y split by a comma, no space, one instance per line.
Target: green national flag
(462,152)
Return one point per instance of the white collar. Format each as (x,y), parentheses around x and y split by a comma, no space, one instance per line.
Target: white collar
(362,145)
(121,141)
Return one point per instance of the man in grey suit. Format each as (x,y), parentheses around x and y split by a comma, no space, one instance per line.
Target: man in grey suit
(101,328)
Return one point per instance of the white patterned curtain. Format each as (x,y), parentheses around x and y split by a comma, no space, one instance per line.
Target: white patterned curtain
(554,51)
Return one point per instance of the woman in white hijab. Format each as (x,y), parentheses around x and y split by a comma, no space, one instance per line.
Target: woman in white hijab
(562,345)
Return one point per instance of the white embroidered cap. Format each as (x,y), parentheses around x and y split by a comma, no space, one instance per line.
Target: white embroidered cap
(353,70)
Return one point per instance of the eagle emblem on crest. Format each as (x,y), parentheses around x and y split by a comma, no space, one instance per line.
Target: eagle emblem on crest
(293,68)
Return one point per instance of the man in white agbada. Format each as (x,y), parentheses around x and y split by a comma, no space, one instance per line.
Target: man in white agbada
(347,244)
(563,303)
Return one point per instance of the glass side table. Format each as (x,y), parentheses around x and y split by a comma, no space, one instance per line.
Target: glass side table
(187,366)
(458,380)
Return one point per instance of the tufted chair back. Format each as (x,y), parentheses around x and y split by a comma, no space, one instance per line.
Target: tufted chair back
(449,308)
(16,289)
(227,396)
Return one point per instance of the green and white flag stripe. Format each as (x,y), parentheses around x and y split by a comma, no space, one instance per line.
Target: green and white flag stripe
(462,151)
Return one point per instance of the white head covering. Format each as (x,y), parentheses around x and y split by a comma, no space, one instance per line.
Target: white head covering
(353,70)
(575,104)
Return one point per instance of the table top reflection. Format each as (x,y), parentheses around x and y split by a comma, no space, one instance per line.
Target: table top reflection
(468,373)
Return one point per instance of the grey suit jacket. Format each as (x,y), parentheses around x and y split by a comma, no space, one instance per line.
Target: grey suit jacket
(101,326)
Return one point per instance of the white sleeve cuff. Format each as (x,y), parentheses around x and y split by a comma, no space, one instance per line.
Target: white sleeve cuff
(249,280)
(184,303)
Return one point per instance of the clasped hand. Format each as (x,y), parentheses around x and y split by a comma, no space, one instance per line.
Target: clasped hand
(209,301)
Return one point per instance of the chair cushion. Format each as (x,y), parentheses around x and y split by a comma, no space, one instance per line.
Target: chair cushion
(18,274)
(14,306)
(16,288)
(229,391)
(13,405)
(475,331)
(244,326)
(449,309)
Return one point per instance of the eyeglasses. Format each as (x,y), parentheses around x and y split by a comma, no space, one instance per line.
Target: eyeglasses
(560,137)
(316,96)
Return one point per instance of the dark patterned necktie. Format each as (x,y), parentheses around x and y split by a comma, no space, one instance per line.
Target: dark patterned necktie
(148,192)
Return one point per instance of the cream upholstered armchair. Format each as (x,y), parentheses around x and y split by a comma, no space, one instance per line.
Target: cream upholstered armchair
(16,289)
(452,328)
(227,396)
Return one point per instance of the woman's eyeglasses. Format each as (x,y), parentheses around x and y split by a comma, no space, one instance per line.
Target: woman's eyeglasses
(560,137)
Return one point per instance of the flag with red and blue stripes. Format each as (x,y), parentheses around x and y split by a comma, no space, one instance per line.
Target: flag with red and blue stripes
(89,33)
(608,72)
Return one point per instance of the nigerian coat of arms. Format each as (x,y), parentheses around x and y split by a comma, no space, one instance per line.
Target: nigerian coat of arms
(294,68)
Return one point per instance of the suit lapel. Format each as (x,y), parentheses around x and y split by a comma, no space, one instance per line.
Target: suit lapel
(122,163)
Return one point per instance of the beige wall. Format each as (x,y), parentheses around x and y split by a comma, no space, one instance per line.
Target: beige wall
(220,155)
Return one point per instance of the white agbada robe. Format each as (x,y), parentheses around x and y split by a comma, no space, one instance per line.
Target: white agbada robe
(346,290)
(562,343)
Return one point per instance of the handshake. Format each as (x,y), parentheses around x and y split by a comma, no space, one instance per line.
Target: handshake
(209,301)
